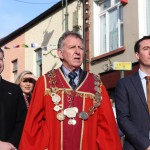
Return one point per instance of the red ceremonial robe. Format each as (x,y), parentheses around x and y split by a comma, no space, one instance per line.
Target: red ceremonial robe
(42,129)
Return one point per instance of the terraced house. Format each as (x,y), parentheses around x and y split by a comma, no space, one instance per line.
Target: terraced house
(109,27)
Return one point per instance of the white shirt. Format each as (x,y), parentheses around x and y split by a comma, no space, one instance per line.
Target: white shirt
(143,80)
(66,72)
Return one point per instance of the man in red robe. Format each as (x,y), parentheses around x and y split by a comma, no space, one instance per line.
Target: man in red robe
(70,108)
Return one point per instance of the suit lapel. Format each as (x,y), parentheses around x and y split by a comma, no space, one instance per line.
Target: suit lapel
(2,90)
(139,88)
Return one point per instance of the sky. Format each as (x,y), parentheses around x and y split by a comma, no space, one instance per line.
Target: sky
(16,13)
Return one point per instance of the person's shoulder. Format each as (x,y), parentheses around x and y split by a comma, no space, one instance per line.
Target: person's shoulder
(47,75)
(93,74)
(8,83)
(52,71)
(128,78)
(96,76)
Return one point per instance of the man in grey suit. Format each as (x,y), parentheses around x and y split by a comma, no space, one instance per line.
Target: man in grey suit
(131,101)
(12,112)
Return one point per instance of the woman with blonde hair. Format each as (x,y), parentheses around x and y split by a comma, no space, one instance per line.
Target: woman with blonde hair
(26,80)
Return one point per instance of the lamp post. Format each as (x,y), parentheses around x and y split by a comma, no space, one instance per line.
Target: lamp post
(122,67)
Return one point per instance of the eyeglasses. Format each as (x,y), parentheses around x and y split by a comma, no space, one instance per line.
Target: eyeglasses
(28,80)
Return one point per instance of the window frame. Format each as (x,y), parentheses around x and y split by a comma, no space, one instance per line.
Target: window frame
(97,28)
(15,69)
(144,28)
(38,62)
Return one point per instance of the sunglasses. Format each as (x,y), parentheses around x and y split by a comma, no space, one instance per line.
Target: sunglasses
(28,80)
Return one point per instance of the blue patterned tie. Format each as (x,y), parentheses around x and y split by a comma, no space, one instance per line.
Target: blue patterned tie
(72,76)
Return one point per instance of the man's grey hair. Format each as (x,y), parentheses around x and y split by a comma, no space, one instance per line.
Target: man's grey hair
(65,35)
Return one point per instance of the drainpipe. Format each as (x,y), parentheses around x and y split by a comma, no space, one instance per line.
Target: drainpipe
(84,35)
(66,16)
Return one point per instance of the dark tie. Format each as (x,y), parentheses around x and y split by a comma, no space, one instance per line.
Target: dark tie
(72,76)
(148,91)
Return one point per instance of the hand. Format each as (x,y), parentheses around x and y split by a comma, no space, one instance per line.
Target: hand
(30,76)
(148,148)
(6,146)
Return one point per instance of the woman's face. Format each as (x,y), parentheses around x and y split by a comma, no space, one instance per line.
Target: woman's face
(27,84)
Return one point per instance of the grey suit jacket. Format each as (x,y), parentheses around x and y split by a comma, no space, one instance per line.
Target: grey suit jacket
(12,112)
(132,113)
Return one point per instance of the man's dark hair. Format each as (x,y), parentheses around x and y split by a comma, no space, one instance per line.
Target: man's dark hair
(1,51)
(137,43)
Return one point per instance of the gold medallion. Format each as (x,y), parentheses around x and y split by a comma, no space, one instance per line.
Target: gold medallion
(60,116)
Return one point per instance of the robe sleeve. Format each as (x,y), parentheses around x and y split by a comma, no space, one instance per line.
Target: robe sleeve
(35,133)
(108,135)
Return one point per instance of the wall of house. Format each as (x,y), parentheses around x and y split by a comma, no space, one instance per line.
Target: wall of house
(47,33)
(131,34)
(11,55)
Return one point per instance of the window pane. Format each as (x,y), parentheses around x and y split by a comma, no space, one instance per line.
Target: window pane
(15,69)
(111,26)
(113,29)
(148,16)
(15,75)
(121,26)
(121,13)
(39,62)
(106,4)
(15,65)
(121,35)
(39,69)
(103,34)
(116,1)
(39,54)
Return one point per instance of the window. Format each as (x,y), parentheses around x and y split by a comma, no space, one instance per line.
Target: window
(15,69)
(144,17)
(148,16)
(39,62)
(110,26)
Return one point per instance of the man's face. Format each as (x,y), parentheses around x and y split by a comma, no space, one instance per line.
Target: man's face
(144,53)
(72,53)
(1,63)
